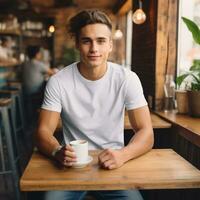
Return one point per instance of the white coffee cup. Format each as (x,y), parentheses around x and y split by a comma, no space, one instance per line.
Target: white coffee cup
(81,150)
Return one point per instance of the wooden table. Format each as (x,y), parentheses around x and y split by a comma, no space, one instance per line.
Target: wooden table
(158,169)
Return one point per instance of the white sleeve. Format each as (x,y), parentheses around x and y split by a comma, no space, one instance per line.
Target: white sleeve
(134,93)
(52,96)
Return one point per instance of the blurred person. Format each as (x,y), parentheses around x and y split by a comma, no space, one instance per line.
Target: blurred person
(6,51)
(33,78)
(90,96)
(46,58)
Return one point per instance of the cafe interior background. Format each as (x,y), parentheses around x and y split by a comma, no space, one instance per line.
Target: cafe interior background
(149,38)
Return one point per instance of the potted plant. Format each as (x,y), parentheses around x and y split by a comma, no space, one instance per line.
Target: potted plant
(191,78)
(182,101)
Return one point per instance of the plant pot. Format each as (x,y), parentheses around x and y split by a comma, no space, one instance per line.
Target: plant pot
(194,103)
(182,101)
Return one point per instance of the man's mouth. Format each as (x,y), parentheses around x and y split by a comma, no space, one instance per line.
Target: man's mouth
(93,56)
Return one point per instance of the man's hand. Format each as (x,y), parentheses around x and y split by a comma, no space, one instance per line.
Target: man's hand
(111,159)
(66,156)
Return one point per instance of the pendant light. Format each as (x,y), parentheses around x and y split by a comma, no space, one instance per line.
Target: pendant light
(139,16)
(118,33)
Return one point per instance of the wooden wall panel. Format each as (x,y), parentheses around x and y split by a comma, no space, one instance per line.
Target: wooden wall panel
(143,48)
(166,45)
(154,47)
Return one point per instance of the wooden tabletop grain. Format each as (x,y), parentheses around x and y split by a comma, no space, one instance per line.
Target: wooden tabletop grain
(158,169)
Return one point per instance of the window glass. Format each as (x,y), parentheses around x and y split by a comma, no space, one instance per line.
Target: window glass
(187,49)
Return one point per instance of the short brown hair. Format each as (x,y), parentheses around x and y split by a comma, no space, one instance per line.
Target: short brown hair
(87,17)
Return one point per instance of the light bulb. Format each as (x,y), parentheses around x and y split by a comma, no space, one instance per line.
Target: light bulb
(139,16)
(51,29)
(118,34)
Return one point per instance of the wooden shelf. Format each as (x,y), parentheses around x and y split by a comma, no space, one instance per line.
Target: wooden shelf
(157,122)
(9,64)
(190,123)
(185,125)
(10,32)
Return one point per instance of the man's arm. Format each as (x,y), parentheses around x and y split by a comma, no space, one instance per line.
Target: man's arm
(139,144)
(45,140)
(47,143)
(143,139)
(51,71)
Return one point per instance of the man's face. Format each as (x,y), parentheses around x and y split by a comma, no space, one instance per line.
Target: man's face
(94,45)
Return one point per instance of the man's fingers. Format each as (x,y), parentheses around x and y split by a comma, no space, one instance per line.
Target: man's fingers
(68,151)
(69,154)
(105,155)
(104,158)
(68,159)
(69,148)
(108,163)
(67,164)
(112,166)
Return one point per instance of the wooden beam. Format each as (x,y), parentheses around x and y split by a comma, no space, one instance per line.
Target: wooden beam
(126,7)
(166,45)
(118,6)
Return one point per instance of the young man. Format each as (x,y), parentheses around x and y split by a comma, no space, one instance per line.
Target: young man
(91,96)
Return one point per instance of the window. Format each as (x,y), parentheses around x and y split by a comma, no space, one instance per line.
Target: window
(187,49)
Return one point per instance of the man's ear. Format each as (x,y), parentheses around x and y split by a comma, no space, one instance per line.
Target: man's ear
(111,45)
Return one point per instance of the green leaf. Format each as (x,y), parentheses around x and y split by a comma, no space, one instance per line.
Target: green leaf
(196,61)
(193,28)
(198,75)
(181,78)
(196,79)
(195,87)
(195,68)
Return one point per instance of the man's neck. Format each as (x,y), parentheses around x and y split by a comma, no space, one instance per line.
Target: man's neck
(92,73)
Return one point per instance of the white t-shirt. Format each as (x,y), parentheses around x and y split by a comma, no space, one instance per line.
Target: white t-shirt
(94,110)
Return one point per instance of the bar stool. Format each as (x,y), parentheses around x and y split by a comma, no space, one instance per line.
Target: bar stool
(17,110)
(14,83)
(9,149)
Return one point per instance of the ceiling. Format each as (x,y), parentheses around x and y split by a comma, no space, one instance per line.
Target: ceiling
(7,5)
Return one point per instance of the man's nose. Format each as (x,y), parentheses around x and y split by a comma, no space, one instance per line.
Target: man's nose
(94,47)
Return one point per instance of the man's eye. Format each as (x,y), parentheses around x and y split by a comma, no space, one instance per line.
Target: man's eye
(85,41)
(101,41)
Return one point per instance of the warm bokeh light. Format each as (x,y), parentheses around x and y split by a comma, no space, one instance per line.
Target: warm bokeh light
(139,16)
(118,34)
(51,29)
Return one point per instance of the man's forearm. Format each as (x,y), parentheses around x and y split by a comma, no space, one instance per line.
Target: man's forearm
(140,143)
(46,144)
